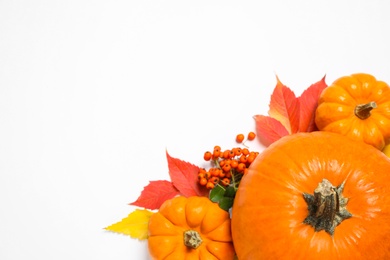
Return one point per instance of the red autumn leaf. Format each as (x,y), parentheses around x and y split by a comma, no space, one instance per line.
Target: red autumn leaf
(284,107)
(289,114)
(308,104)
(184,177)
(269,129)
(155,193)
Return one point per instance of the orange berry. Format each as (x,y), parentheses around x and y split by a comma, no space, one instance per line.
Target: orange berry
(251,136)
(243,159)
(245,151)
(228,175)
(217,148)
(203,181)
(226,167)
(234,163)
(240,138)
(241,167)
(214,180)
(216,154)
(207,156)
(226,154)
(215,172)
(222,163)
(250,159)
(210,185)
(202,170)
(225,181)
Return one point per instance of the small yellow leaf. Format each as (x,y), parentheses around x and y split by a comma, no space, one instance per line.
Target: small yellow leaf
(134,225)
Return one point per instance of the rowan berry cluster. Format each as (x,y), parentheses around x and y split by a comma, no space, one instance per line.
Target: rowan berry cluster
(228,166)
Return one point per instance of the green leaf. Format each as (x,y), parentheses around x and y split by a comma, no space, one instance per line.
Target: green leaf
(226,203)
(230,191)
(217,193)
(223,196)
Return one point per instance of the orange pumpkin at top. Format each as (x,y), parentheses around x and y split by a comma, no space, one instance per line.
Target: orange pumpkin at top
(357,106)
(316,195)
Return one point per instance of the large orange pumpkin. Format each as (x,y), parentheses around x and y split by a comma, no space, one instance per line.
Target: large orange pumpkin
(357,106)
(316,195)
(190,229)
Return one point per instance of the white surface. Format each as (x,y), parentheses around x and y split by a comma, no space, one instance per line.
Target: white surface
(93,92)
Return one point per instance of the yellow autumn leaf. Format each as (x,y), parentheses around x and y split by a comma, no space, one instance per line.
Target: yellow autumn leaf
(134,225)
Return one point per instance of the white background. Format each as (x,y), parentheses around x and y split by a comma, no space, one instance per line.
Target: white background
(92,93)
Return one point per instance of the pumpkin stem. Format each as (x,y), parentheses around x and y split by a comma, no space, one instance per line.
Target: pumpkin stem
(363,111)
(192,239)
(327,207)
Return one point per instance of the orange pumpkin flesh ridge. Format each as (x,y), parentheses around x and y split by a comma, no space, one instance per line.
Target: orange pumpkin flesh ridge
(188,219)
(269,208)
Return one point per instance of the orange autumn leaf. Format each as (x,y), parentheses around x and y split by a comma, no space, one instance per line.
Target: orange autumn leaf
(289,114)
(284,107)
(269,129)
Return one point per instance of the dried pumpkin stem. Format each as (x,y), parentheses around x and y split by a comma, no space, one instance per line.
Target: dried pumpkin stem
(192,239)
(327,207)
(363,111)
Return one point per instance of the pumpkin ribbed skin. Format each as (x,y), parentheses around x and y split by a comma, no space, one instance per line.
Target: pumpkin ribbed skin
(337,103)
(269,208)
(177,215)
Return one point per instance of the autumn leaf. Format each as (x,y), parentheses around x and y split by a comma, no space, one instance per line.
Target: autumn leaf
(134,225)
(184,181)
(184,177)
(289,114)
(155,193)
(269,129)
(308,104)
(284,107)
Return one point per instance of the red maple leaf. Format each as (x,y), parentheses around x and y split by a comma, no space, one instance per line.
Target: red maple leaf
(269,129)
(308,104)
(184,177)
(289,114)
(155,193)
(284,107)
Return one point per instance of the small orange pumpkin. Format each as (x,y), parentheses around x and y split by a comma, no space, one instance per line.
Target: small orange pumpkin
(190,228)
(357,106)
(316,195)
